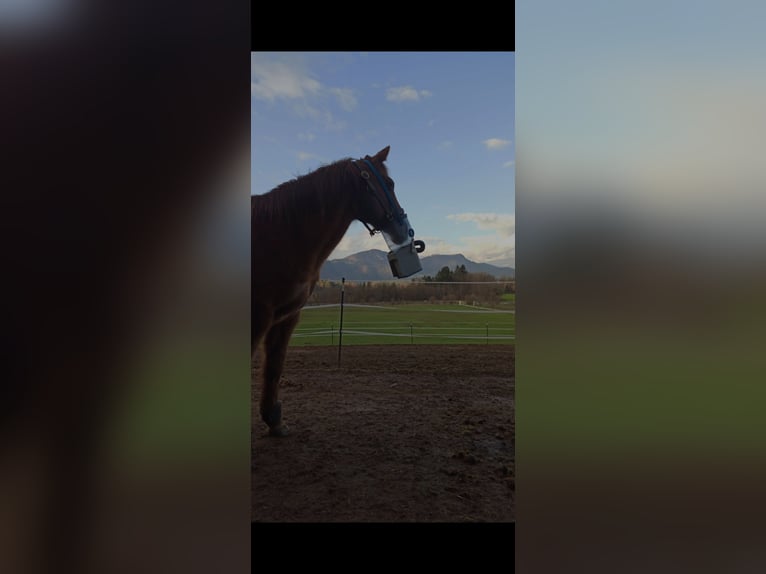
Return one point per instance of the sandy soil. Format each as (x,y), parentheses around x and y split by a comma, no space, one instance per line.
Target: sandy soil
(396,434)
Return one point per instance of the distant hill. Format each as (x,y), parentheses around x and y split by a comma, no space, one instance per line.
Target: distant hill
(373,265)
(433,263)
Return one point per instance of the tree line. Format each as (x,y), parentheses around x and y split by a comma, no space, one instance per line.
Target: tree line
(448,285)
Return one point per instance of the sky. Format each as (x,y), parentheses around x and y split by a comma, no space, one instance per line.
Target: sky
(665,112)
(448,117)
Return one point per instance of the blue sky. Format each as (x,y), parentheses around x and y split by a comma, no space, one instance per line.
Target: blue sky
(448,117)
(659,105)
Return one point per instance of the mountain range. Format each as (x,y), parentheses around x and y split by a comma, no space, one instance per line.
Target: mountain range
(372,265)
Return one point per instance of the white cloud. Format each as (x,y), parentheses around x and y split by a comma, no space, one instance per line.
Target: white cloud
(438,246)
(272,80)
(496,143)
(511,163)
(346,98)
(497,247)
(504,224)
(324,117)
(306,136)
(446,144)
(303,155)
(286,78)
(358,239)
(405,94)
(481,249)
(490,249)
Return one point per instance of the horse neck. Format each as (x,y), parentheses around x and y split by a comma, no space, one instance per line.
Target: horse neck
(324,230)
(328,231)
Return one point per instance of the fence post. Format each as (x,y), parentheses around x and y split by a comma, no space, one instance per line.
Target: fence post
(340,329)
(332,334)
(412,339)
(487,333)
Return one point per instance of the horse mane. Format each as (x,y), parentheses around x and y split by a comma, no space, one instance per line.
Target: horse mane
(313,193)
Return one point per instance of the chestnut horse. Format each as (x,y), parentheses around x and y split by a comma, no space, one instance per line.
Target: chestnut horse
(295,227)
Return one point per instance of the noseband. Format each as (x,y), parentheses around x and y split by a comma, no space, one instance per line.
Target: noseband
(392,213)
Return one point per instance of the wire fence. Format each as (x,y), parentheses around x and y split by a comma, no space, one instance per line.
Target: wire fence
(398,324)
(468,333)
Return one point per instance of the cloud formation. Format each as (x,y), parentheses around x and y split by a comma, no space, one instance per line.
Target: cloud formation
(346,98)
(488,249)
(503,224)
(357,239)
(497,247)
(496,143)
(406,94)
(272,80)
(287,79)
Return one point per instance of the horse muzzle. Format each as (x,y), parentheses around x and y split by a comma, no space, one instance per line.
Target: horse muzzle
(404,261)
(403,254)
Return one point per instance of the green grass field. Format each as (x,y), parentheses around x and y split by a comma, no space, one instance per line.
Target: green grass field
(405,324)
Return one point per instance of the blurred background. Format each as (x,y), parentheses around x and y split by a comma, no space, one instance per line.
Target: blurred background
(124,414)
(125,402)
(640,265)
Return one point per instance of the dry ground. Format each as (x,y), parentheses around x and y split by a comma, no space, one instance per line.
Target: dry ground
(398,433)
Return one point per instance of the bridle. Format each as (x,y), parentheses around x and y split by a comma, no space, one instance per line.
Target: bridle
(392,213)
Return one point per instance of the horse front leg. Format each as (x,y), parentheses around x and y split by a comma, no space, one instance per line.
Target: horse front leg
(275,349)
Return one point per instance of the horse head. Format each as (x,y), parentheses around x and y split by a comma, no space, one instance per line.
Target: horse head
(379,210)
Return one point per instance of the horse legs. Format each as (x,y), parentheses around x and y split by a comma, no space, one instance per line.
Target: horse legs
(259,324)
(275,347)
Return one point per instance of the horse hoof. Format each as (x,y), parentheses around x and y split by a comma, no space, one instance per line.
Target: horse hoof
(272,416)
(279,431)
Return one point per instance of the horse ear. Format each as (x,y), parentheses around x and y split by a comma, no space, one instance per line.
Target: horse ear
(383,154)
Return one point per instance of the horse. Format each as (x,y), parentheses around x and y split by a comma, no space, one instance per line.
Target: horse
(295,227)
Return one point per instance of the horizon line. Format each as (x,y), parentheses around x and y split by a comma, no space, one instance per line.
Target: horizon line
(424,256)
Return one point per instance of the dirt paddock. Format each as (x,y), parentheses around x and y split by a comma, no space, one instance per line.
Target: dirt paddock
(398,433)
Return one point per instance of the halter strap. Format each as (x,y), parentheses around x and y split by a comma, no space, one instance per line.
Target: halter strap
(383,185)
(391,211)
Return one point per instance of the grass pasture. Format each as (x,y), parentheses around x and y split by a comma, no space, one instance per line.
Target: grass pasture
(404,324)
